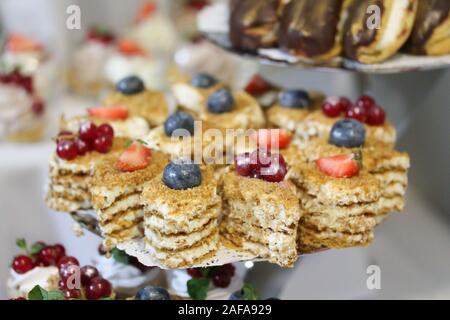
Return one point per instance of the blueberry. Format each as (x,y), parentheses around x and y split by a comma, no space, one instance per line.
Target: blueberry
(152,293)
(296,99)
(237,295)
(179,120)
(130,85)
(182,175)
(203,80)
(220,101)
(348,133)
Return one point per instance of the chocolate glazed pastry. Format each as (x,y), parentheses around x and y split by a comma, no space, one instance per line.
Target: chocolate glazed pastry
(254,23)
(431,33)
(313,29)
(366,43)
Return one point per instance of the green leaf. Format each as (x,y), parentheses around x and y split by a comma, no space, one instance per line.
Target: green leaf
(55,295)
(36,248)
(119,256)
(198,288)
(39,293)
(22,244)
(249,293)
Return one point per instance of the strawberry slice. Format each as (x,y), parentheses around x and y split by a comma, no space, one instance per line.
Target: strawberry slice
(340,166)
(146,11)
(258,86)
(130,48)
(135,157)
(272,138)
(20,43)
(109,113)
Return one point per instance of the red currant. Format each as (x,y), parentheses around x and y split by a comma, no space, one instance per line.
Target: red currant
(242,164)
(228,268)
(276,171)
(332,107)
(88,132)
(67,261)
(22,264)
(47,256)
(105,130)
(357,113)
(59,251)
(376,116)
(38,107)
(103,144)
(221,279)
(87,274)
(98,288)
(194,272)
(82,147)
(260,158)
(19,298)
(345,103)
(366,102)
(66,149)
(72,294)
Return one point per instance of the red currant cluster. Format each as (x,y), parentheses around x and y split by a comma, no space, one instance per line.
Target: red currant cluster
(46,255)
(220,276)
(261,164)
(94,287)
(26,82)
(364,109)
(90,138)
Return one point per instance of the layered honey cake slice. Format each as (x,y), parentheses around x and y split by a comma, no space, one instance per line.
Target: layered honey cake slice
(340,203)
(182,209)
(72,165)
(261,210)
(213,103)
(346,187)
(131,93)
(387,165)
(116,188)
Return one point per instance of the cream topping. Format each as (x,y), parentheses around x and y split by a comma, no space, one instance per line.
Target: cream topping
(19,285)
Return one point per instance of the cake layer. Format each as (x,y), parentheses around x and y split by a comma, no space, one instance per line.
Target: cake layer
(269,205)
(154,220)
(115,237)
(185,257)
(181,206)
(311,204)
(363,188)
(180,241)
(280,247)
(354,224)
(109,185)
(310,237)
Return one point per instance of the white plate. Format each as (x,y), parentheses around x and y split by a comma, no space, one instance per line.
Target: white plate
(212,22)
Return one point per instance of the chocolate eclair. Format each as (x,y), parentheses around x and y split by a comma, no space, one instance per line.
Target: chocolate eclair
(431,33)
(375,30)
(313,29)
(254,23)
